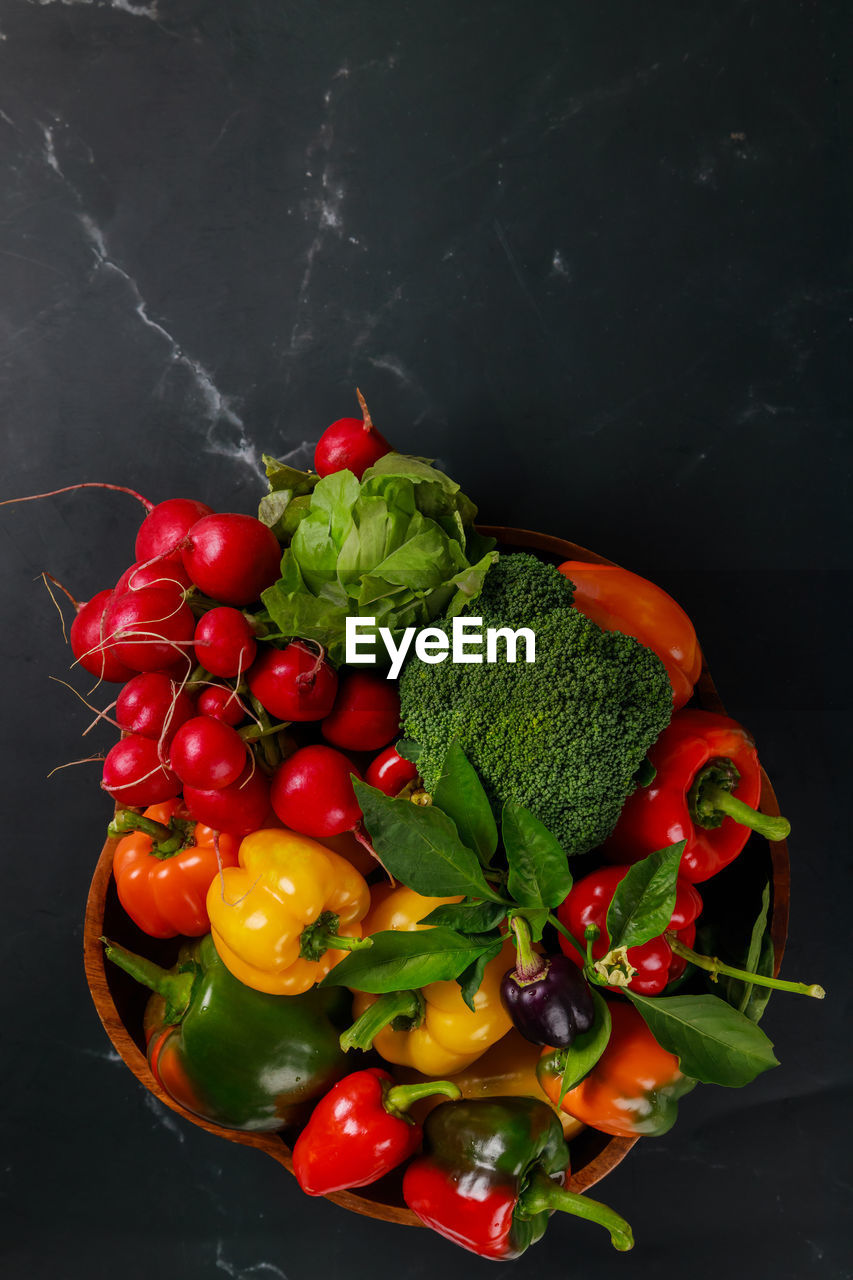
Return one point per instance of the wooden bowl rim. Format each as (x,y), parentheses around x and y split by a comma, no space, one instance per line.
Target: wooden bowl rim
(614,1150)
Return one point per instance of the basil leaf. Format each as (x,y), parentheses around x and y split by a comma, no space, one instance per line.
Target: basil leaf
(405,960)
(585,1050)
(420,846)
(713,1042)
(467,917)
(408,750)
(737,992)
(759,997)
(469,979)
(539,873)
(644,900)
(537,918)
(459,793)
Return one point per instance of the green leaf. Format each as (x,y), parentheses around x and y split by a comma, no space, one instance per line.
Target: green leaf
(537,918)
(467,917)
(713,1042)
(539,873)
(585,1050)
(740,994)
(469,979)
(408,750)
(646,773)
(459,793)
(420,846)
(282,477)
(644,900)
(405,960)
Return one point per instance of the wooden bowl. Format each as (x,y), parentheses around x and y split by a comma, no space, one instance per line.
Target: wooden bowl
(120,1002)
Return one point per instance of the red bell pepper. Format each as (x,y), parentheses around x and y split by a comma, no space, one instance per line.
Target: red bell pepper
(618,600)
(707,785)
(164,867)
(655,962)
(492,1173)
(360,1131)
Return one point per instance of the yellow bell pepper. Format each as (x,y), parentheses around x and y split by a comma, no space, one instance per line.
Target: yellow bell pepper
(275,918)
(449,1037)
(508,1069)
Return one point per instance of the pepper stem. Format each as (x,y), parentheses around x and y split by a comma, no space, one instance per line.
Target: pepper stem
(528,965)
(716,967)
(400,1097)
(167,839)
(719,800)
(322,936)
(544,1196)
(175,988)
(396,1004)
(710,801)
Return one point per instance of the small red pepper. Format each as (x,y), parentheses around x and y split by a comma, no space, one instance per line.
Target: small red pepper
(618,600)
(707,785)
(360,1131)
(655,963)
(390,772)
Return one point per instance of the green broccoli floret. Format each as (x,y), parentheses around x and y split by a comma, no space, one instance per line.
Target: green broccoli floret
(564,735)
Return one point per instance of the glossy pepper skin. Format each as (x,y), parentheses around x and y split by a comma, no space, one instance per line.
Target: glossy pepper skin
(492,1172)
(236,1057)
(162,878)
(634,1088)
(695,745)
(618,600)
(654,960)
(446,1036)
(508,1069)
(359,1132)
(272,916)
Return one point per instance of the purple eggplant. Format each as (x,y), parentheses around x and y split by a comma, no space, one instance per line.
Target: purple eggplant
(547,997)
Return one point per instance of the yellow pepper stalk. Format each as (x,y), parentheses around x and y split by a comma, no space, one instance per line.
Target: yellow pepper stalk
(288,913)
(445,1036)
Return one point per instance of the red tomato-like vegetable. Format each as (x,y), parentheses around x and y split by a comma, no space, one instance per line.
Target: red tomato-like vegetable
(366,714)
(312,792)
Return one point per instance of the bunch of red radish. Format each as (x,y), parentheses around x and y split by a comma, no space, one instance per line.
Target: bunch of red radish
(209,699)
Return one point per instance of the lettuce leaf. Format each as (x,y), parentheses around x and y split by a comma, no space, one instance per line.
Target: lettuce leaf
(393,547)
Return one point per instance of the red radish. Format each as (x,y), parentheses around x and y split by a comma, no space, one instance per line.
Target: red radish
(231,557)
(134,775)
(222,704)
(88,645)
(295,683)
(165,527)
(350,444)
(389,772)
(224,642)
(159,573)
(208,754)
(149,629)
(312,792)
(152,705)
(366,714)
(238,809)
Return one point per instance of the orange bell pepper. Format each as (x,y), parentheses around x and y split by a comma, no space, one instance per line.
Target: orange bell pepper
(164,867)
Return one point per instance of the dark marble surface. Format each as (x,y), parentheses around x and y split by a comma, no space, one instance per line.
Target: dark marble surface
(591,256)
